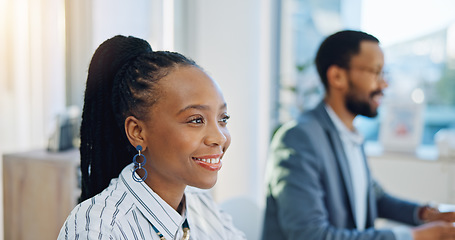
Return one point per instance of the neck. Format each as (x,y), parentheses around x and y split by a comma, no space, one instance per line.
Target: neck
(171,195)
(339,107)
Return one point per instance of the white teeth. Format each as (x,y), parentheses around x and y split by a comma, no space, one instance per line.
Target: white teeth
(377,99)
(209,160)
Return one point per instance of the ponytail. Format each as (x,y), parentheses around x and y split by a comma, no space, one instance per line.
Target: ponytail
(121,82)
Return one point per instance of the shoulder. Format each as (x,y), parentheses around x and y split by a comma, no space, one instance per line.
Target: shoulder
(199,198)
(201,205)
(207,218)
(308,122)
(298,144)
(312,120)
(99,215)
(305,130)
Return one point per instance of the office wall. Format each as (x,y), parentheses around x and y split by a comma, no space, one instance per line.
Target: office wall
(31,75)
(32,79)
(232,41)
(91,22)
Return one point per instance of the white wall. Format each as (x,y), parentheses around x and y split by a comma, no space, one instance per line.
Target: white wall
(32,86)
(112,17)
(90,22)
(230,40)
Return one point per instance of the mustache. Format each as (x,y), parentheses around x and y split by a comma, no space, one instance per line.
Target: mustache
(377,92)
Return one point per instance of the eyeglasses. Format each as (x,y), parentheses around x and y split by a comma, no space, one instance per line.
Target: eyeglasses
(379,75)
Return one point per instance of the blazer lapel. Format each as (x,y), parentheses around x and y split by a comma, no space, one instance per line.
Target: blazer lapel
(371,208)
(338,149)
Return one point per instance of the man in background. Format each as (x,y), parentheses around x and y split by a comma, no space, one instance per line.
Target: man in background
(318,181)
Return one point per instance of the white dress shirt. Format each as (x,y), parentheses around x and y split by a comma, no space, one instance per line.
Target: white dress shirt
(352,144)
(126,209)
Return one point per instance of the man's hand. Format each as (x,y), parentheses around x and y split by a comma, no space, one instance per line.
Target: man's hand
(430,214)
(434,230)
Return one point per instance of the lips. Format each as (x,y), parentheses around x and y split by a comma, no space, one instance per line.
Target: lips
(377,97)
(212,163)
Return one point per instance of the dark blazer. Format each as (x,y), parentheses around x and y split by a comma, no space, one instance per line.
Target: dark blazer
(309,189)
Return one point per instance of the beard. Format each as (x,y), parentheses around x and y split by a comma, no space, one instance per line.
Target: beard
(358,106)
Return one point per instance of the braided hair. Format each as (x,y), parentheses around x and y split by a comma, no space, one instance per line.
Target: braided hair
(122,81)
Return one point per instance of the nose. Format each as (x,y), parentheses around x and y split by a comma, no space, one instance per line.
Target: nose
(383,82)
(383,79)
(216,135)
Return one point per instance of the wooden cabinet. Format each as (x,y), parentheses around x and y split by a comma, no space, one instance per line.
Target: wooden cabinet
(40,190)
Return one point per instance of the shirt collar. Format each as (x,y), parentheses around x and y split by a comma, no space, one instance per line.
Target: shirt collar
(354,136)
(152,206)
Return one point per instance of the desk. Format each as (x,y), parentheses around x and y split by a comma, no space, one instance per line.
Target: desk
(40,190)
(417,177)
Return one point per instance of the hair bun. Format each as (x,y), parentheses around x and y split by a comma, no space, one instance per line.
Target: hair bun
(117,51)
(109,57)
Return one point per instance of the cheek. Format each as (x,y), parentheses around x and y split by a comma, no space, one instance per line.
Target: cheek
(168,141)
(364,88)
(181,141)
(373,85)
(188,142)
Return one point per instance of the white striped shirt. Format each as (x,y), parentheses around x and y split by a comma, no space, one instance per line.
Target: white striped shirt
(126,209)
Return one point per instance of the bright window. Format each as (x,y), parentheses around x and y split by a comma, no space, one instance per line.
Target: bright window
(418,38)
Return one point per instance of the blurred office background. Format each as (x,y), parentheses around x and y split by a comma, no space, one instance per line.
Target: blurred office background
(261,53)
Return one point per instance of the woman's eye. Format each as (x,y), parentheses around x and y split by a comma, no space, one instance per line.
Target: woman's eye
(197,120)
(225,118)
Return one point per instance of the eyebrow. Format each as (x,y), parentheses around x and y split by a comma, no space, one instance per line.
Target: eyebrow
(199,107)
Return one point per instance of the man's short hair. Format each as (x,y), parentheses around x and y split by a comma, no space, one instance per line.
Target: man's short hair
(337,49)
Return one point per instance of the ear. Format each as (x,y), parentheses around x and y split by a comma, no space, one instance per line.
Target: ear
(336,77)
(134,130)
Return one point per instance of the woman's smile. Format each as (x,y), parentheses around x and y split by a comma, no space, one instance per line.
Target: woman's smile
(210,162)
